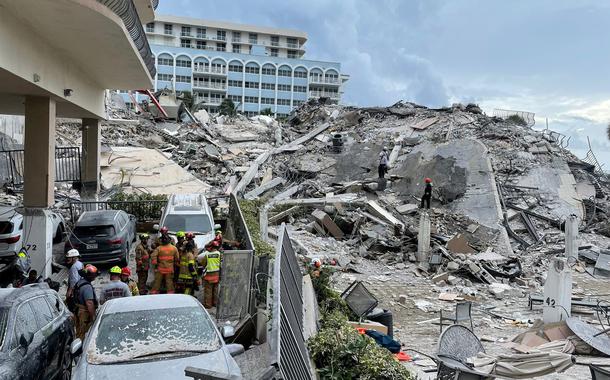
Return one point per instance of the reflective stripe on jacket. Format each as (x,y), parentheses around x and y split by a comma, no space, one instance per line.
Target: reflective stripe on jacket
(164,258)
(213,262)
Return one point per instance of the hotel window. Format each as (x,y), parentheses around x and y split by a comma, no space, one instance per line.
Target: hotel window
(283,87)
(236,37)
(185,43)
(183,63)
(251,99)
(267,101)
(275,41)
(201,45)
(268,86)
(235,83)
(150,27)
(183,79)
(165,77)
(300,74)
(283,102)
(251,85)
(332,78)
(200,32)
(252,70)
(292,54)
(221,35)
(186,31)
(235,98)
(253,38)
(236,68)
(297,103)
(299,89)
(268,71)
(284,73)
(168,29)
(292,43)
(165,62)
(221,46)
(273,52)
(237,49)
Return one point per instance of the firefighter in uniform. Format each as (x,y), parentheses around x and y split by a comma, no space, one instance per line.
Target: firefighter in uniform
(187,273)
(143,263)
(211,263)
(164,259)
(86,301)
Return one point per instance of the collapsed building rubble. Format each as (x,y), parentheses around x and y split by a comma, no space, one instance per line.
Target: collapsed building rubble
(502,192)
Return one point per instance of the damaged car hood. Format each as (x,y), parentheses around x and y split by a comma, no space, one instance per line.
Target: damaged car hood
(159,367)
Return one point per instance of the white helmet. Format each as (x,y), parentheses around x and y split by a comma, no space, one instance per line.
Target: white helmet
(72,253)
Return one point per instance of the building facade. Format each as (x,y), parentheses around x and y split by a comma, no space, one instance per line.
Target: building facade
(257,68)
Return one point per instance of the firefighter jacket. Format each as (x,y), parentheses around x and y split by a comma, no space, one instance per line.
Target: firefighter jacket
(165,258)
(142,257)
(187,269)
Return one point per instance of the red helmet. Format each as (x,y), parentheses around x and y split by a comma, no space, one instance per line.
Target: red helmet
(428,180)
(126,272)
(164,230)
(189,235)
(90,269)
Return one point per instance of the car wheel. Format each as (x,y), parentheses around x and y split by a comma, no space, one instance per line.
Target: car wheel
(59,234)
(66,364)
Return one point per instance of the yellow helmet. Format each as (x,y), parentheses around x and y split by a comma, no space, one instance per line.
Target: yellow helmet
(180,234)
(115,270)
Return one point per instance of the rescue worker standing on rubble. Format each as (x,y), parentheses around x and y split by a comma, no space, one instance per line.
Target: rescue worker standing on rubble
(164,258)
(126,278)
(115,288)
(86,301)
(187,273)
(72,259)
(143,263)
(210,260)
(383,162)
(427,194)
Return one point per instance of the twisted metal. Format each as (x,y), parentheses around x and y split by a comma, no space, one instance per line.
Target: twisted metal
(126,10)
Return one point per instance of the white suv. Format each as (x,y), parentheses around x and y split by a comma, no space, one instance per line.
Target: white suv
(11,230)
(189,213)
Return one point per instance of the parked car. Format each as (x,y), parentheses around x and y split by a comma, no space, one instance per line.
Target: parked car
(11,230)
(103,237)
(153,337)
(36,331)
(189,213)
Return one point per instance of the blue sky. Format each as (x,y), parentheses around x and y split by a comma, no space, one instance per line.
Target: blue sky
(550,57)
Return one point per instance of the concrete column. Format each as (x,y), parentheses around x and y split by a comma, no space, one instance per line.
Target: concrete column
(571,237)
(90,166)
(423,238)
(39,180)
(557,303)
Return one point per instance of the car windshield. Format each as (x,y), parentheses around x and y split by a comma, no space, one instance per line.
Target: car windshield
(94,231)
(198,223)
(6,228)
(138,334)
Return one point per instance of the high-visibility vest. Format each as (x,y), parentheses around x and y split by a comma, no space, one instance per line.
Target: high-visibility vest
(213,264)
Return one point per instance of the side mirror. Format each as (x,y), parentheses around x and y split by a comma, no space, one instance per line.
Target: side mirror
(235,349)
(76,348)
(26,339)
(227,331)
(156,227)
(132,217)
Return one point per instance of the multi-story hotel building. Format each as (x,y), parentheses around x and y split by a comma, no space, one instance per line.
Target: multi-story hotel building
(256,67)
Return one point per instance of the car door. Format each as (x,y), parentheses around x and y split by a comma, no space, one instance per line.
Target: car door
(51,336)
(31,356)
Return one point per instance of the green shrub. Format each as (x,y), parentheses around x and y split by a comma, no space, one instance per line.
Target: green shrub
(136,204)
(516,119)
(249,209)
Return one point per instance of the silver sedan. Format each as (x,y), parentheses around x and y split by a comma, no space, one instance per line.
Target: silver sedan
(153,337)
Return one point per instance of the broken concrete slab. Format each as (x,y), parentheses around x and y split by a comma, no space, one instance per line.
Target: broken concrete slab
(375,209)
(459,244)
(329,225)
(254,194)
(408,208)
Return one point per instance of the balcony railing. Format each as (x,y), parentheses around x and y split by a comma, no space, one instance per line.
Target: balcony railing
(212,101)
(185,34)
(210,85)
(210,70)
(324,80)
(323,94)
(126,10)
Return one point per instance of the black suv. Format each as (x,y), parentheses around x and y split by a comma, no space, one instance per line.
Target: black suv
(36,331)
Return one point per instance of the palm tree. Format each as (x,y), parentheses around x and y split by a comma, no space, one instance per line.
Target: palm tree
(227,108)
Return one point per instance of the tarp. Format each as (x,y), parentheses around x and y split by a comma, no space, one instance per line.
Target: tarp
(548,358)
